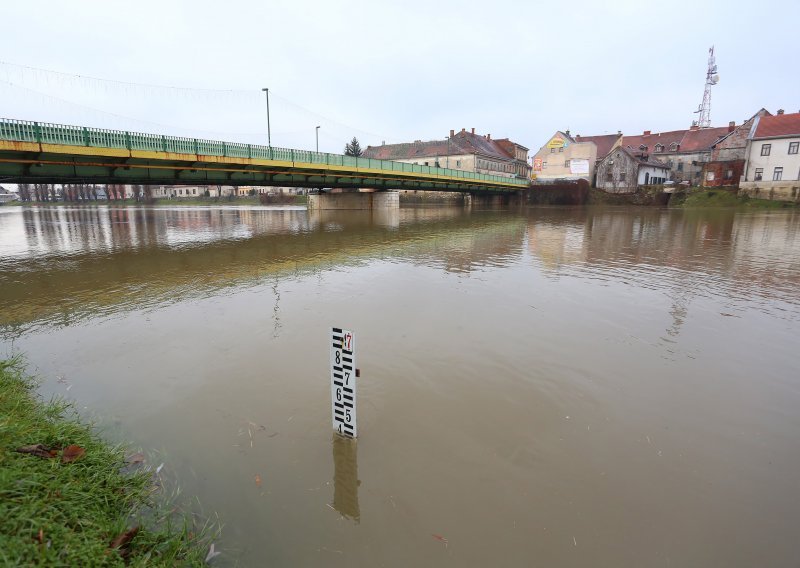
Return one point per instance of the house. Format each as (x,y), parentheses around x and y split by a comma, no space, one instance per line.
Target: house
(772,167)
(685,151)
(520,155)
(728,156)
(6,196)
(566,158)
(622,171)
(460,151)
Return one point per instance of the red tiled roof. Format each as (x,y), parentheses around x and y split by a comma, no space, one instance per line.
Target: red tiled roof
(604,143)
(462,143)
(651,140)
(702,139)
(778,125)
(697,140)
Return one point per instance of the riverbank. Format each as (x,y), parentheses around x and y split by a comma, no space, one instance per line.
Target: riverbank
(67,498)
(690,198)
(702,197)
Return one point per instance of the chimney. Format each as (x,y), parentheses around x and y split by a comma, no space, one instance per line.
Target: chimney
(463,130)
(383,142)
(488,136)
(619,132)
(780,111)
(694,127)
(731,126)
(647,133)
(452,133)
(473,131)
(567,132)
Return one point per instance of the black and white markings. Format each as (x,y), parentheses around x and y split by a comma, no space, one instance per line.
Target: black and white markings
(343,382)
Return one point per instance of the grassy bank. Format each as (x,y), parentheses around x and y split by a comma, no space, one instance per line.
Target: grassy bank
(64,497)
(723,198)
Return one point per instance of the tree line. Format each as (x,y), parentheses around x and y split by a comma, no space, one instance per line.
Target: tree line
(80,192)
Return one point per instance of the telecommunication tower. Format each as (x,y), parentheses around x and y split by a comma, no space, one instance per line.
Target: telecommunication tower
(712,78)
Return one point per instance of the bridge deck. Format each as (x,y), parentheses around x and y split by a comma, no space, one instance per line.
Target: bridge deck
(52,153)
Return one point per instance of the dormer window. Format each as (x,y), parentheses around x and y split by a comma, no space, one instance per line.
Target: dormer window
(659,148)
(673,147)
(643,148)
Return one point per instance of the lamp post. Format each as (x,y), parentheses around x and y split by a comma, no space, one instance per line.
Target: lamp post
(317,131)
(269,134)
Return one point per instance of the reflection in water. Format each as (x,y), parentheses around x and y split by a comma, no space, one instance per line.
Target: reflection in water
(133,258)
(584,387)
(345,477)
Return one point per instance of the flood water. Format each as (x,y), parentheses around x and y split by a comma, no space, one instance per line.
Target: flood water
(539,387)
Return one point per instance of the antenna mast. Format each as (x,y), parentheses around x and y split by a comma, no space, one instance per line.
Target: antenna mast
(704,110)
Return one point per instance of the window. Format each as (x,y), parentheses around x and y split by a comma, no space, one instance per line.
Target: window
(759,174)
(659,148)
(643,148)
(609,176)
(544,165)
(765,148)
(561,149)
(709,176)
(729,174)
(777,174)
(566,163)
(622,175)
(793,146)
(680,166)
(552,150)
(458,163)
(426,163)
(674,147)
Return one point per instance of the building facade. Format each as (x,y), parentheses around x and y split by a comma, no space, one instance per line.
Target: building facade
(772,169)
(623,172)
(462,150)
(685,152)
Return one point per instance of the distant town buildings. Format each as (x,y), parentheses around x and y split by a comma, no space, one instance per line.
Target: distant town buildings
(7,196)
(462,150)
(711,157)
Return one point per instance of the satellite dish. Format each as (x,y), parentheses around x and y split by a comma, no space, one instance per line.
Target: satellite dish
(715,79)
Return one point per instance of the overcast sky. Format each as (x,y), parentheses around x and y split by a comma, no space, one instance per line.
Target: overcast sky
(394,71)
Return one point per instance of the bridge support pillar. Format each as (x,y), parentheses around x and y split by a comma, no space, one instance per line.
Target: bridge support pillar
(353,200)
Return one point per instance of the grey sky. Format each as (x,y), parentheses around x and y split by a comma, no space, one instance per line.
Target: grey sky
(396,71)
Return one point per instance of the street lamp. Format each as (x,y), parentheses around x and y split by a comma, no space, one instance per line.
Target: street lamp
(269,134)
(317,130)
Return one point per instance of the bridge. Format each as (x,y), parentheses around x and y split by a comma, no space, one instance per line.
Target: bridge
(36,152)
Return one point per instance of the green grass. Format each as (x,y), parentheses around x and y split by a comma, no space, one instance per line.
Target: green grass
(66,514)
(723,198)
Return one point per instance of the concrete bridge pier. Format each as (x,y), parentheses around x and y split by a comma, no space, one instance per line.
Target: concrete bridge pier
(353,200)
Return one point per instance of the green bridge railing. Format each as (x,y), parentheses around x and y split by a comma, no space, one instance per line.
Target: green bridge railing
(48,133)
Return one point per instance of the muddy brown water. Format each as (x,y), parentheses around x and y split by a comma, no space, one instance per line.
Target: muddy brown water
(542,387)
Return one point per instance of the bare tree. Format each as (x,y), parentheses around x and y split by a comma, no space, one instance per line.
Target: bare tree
(24,191)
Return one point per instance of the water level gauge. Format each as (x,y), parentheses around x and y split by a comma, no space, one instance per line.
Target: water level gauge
(343,382)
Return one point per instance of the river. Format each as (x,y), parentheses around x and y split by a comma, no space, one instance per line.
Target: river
(539,387)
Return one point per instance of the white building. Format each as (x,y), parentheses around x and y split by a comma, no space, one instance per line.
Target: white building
(772,169)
